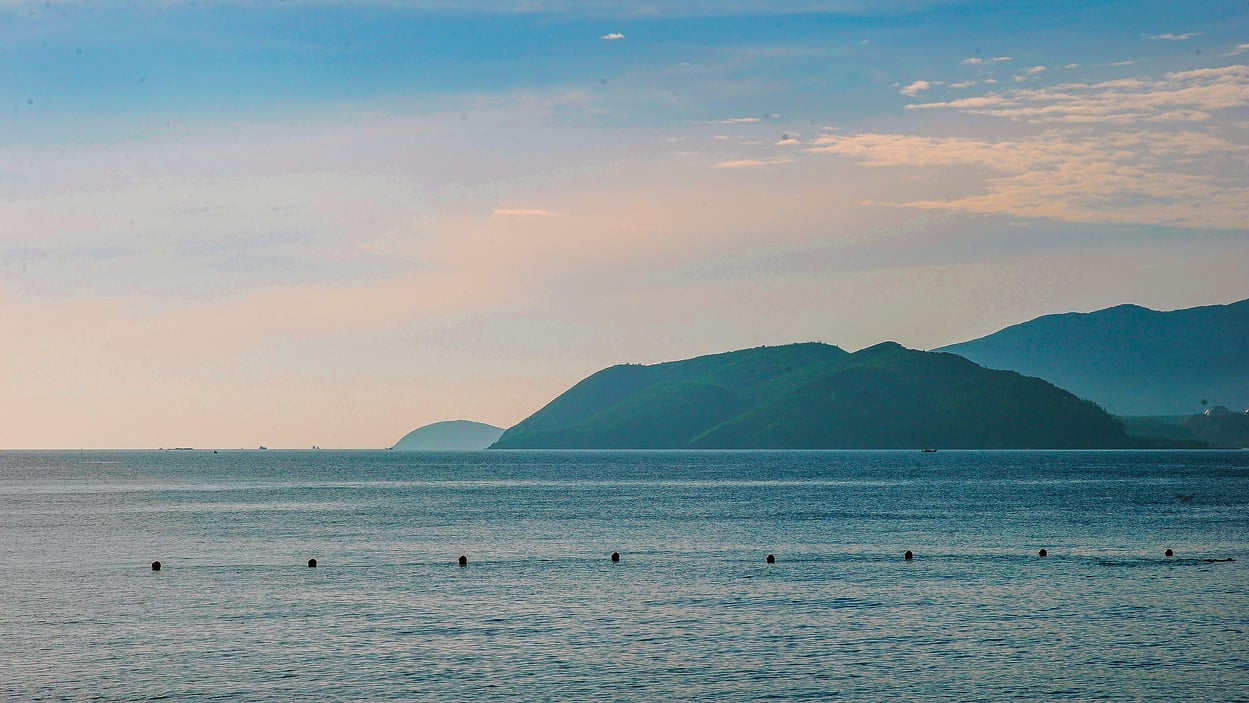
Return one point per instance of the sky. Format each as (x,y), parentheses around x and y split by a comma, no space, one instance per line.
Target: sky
(234,223)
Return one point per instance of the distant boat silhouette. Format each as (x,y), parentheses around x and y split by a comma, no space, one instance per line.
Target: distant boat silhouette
(928,451)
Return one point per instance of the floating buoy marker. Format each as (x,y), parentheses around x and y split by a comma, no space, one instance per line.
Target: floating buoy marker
(312,563)
(463,560)
(615,556)
(156,566)
(1169,553)
(1042,553)
(908,556)
(770,559)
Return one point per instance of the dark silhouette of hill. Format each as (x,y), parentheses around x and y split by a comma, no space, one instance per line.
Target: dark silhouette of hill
(1129,359)
(815,396)
(453,435)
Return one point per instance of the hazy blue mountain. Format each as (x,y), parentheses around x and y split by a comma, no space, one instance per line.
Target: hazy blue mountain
(453,435)
(816,396)
(1131,360)
(1230,430)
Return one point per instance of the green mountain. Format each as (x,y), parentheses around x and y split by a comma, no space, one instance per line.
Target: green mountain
(1129,359)
(813,396)
(453,435)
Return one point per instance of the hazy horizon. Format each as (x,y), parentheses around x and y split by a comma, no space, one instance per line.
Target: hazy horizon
(229,225)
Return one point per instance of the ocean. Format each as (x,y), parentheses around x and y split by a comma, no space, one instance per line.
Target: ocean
(690,612)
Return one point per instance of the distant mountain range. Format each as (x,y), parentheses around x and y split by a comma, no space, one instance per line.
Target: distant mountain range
(1230,430)
(453,435)
(1129,359)
(1046,383)
(816,396)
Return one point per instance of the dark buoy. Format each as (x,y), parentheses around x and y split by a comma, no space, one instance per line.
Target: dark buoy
(463,560)
(156,566)
(1042,553)
(1169,553)
(908,556)
(312,563)
(615,556)
(771,559)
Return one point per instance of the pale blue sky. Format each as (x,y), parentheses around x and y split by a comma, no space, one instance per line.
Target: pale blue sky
(217,60)
(301,222)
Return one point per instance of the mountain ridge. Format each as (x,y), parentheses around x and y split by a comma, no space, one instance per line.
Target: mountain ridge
(814,396)
(1130,359)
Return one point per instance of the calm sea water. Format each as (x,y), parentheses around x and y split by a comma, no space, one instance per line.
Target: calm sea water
(691,612)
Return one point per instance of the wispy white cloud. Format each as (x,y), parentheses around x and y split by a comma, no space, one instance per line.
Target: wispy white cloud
(1121,101)
(1142,177)
(1140,150)
(614,36)
(753,163)
(914,89)
(976,60)
(525,212)
(1172,37)
(1030,73)
(1238,50)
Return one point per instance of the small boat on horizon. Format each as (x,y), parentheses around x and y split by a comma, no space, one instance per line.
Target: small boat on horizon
(928,451)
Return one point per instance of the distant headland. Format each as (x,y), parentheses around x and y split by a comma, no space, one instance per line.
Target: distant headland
(453,435)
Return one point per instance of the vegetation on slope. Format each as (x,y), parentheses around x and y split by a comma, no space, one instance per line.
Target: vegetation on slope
(1129,359)
(816,396)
